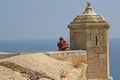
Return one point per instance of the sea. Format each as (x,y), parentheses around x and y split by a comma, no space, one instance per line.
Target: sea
(16,46)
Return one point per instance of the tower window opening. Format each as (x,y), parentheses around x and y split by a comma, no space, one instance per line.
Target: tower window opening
(96,40)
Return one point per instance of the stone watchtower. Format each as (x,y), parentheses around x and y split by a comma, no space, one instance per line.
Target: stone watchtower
(89,31)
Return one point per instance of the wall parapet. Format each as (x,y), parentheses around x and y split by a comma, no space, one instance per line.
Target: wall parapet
(79,55)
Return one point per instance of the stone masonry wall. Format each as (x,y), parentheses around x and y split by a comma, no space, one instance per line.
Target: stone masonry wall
(76,56)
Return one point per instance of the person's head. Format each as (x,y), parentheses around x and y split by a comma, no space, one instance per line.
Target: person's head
(61,38)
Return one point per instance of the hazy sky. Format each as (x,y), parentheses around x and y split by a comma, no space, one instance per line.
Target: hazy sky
(48,19)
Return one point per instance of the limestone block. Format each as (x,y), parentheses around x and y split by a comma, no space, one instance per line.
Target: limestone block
(90,75)
(96,31)
(92,56)
(102,56)
(89,43)
(93,69)
(91,62)
(91,51)
(100,49)
(90,70)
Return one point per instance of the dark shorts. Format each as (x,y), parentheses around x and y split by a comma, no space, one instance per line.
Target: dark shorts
(63,49)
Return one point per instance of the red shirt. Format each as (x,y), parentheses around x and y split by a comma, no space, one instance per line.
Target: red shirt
(63,44)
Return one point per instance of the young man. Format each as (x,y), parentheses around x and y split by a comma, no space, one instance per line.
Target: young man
(62,44)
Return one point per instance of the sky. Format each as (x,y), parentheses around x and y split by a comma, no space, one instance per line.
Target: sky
(48,19)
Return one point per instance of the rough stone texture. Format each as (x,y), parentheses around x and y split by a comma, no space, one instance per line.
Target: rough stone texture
(38,66)
(79,55)
(9,74)
(89,31)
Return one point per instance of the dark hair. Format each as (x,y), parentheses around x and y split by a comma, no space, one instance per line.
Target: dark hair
(61,38)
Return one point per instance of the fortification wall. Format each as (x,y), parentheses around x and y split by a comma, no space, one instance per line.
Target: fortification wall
(76,57)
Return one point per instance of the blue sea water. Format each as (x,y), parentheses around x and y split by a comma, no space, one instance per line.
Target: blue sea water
(115,58)
(16,46)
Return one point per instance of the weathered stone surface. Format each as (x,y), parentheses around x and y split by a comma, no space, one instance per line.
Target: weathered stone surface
(89,31)
(38,66)
(103,56)
(9,74)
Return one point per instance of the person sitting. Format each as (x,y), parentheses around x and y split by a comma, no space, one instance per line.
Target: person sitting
(62,44)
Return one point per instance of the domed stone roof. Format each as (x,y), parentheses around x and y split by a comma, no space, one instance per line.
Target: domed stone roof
(88,17)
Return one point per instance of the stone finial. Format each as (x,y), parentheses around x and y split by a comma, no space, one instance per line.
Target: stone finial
(88,4)
(89,10)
